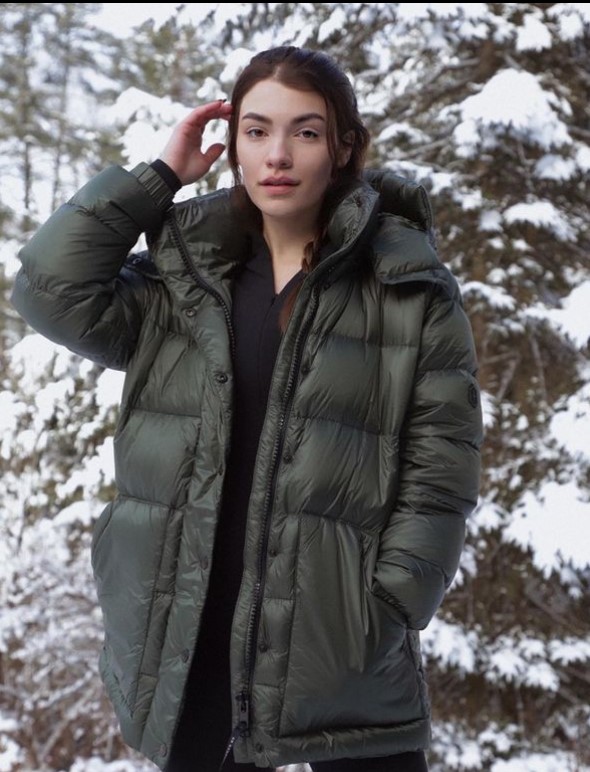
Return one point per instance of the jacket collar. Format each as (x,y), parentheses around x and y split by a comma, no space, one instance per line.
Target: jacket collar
(387,214)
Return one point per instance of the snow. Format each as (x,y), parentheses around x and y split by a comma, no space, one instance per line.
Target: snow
(99,765)
(488,516)
(121,18)
(570,650)
(495,296)
(488,408)
(98,470)
(451,645)
(148,120)
(533,35)
(572,317)
(490,220)
(542,214)
(562,508)
(108,389)
(514,101)
(9,257)
(570,18)
(234,63)
(415,11)
(331,25)
(539,762)
(11,754)
(567,420)
(555,167)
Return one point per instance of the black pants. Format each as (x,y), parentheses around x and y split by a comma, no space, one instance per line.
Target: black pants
(401,762)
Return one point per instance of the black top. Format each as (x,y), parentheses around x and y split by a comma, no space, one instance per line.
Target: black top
(255,315)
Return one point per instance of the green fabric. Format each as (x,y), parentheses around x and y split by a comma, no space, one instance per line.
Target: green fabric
(367,467)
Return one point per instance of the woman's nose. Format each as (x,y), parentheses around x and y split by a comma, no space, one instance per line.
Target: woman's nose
(279,155)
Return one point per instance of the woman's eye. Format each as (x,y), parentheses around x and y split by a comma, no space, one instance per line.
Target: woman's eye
(308,134)
(254,132)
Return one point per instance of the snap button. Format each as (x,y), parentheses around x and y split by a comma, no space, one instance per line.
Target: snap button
(221,377)
(259,747)
(205,564)
(263,647)
(273,552)
(287,458)
(190,311)
(136,261)
(163,749)
(305,369)
(184,655)
(220,470)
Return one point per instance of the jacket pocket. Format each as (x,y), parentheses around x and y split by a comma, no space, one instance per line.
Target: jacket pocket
(132,559)
(349,663)
(369,560)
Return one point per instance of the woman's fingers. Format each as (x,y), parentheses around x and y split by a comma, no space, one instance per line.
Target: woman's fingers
(212,153)
(202,115)
(183,152)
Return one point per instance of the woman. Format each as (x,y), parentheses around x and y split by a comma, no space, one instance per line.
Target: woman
(297,448)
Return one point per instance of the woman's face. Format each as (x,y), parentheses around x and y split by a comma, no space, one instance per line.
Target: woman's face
(282,150)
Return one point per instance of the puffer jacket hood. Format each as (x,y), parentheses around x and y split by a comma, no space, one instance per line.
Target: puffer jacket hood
(368,461)
(212,225)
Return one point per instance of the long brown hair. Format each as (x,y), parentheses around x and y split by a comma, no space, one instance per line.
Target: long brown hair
(306,70)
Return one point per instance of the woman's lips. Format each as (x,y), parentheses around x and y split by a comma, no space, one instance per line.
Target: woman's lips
(279,181)
(279,185)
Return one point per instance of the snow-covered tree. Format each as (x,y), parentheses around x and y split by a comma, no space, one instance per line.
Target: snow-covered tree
(486,105)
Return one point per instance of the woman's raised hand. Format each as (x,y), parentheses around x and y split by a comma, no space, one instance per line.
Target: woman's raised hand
(183,152)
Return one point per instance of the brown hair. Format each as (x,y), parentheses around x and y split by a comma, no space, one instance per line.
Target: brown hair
(307,70)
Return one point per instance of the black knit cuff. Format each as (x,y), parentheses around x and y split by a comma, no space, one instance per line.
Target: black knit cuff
(167,174)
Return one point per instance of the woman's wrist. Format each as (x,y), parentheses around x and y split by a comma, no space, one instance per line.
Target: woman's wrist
(167,174)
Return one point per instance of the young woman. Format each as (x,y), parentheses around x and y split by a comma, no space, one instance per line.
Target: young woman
(297,448)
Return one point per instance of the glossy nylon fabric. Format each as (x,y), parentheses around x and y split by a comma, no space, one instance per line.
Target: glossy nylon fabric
(367,466)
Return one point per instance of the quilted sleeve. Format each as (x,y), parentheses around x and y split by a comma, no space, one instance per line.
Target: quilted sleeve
(439,468)
(74,287)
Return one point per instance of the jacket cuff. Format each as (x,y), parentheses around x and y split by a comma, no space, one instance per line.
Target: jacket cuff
(170,177)
(154,184)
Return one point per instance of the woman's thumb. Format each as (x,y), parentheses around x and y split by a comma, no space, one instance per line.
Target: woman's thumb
(212,153)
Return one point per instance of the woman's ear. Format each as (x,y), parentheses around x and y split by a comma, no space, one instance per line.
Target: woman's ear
(345,149)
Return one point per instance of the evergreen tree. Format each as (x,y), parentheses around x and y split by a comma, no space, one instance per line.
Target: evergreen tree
(22,129)
(173,60)
(483,103)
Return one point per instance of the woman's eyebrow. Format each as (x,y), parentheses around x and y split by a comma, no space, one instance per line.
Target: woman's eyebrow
(299,119)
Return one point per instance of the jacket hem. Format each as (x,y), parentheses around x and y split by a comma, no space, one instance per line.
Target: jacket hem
(337,744)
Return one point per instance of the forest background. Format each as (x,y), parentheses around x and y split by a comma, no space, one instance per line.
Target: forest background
(485,104)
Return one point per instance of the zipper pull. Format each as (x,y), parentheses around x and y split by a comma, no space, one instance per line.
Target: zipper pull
(242,728)
(230,745)
(243,714)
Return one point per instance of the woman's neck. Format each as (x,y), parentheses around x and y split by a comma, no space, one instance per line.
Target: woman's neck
(287,247)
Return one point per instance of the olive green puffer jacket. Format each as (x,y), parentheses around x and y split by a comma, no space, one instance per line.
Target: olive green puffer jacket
(367,466)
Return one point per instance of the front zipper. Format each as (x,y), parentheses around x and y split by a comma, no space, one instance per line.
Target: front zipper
(242,728)
(180,244)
